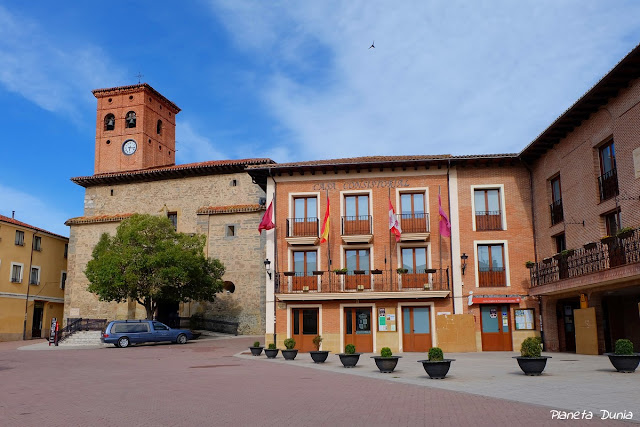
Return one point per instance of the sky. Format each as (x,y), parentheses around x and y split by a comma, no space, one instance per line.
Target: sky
(292,81)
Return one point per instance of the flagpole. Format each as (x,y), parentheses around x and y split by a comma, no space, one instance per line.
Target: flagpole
(328,240)
(275,261)
(390,253)
(439,233)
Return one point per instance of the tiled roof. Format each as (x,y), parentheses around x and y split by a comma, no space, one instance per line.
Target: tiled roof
(95,219)
(171,172)
(24,224)
(355,160)
(134,88)
(212,210)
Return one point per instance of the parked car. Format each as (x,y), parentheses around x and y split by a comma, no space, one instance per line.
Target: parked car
(122,333)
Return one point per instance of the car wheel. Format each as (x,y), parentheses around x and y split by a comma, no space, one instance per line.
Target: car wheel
(123,342)
(182,339)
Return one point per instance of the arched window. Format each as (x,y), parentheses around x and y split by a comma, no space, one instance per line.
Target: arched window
(130,119)
(109,122)
(159,127)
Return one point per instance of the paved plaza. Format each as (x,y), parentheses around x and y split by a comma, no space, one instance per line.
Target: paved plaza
(213,381)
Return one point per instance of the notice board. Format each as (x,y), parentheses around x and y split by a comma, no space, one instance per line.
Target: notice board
(386,319)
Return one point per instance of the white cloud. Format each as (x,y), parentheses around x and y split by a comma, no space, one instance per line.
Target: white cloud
(51,72)
(445,77)
(33,210)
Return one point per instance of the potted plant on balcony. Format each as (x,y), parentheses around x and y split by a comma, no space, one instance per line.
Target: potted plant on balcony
(625,232)
(289,273)
(589,246)
(318,272)
(608,240)
(623,358)
(530,360)
(271,351)
(289,353)
(436,366)
(376,271)
(256,350)
(358,271)
(340,271)
(386,362)
(402,270)
(349,358)
(318,356)
(529,264)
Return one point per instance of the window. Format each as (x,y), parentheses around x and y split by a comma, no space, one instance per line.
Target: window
(109,122)
(612,222)
(19,238)
(556,205)
(66,250)
(356,219)
(160,326)
(16,273)
(305,217)
(130,120)
(63,280)
(234,182)
(357,259)
(230,231)
(159,127)
(608,180)
(37,243)
(414,259)
(34,277)
(487,206)
(491,271)
(173,217)
(413,218)
(561,242)
(305,262)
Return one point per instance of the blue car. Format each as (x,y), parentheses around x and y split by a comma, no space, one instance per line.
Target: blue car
(123,333)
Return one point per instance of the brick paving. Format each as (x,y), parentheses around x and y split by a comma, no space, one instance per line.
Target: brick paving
(205,383)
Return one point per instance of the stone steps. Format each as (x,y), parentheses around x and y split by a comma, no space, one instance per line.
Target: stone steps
(82,338)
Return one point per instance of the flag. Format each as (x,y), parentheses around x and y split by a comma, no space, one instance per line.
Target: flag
(394,226)
(445,225)
(325,225)
(267,219)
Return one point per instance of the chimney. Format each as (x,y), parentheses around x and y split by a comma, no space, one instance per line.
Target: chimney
(13,214)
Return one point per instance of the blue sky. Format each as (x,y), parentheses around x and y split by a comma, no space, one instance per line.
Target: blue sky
(292,80)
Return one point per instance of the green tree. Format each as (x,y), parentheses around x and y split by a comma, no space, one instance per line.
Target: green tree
(148,261)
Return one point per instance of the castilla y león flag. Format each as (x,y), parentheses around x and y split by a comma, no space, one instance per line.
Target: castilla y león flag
(267,219)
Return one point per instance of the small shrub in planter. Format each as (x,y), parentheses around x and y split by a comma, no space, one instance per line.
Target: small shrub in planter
(623,358)
(401,270)
(530,360)
(317,355)
(529,264)
(256,349)
(625,232)
(290,353)
(386,362)
(340,271)
(436,366)
(349,358)
(271,351)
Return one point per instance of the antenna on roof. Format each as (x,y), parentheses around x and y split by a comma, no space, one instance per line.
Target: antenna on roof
(139,76)
(13,214)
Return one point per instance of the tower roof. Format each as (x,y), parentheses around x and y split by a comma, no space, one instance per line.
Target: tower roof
(119,90)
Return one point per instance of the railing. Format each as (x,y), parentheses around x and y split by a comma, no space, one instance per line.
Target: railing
(488,220)
(414,222)
(361,281)
(594,257)
(557,214)
(356,225)
(214,325)
(80,324)
(489,277)
(608,184)
(302,227)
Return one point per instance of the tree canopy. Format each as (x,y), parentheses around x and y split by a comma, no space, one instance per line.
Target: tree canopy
(148,261)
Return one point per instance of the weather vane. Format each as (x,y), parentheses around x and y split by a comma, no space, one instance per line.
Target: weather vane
(139,76)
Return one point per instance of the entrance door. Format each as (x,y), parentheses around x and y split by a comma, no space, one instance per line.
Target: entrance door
(357,328)
(36,328)
(496,328)
(304,327)
(416,329)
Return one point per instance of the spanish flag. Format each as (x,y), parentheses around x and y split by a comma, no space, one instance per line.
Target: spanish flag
(325,225)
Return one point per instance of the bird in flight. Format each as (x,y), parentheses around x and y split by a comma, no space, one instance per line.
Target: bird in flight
(372,45)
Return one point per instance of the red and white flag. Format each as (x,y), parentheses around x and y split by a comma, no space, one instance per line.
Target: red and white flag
(394,226)
(267,219)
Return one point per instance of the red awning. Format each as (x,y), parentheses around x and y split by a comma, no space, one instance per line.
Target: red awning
(497,300)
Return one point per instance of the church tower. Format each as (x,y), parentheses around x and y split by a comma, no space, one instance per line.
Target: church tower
(135,129)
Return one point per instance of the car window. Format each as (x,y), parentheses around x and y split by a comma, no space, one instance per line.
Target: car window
(160,326)
(120,328)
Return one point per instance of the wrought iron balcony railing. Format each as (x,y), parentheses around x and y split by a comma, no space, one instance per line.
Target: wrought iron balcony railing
(302,227)
(608,184)
(356,225)
(414,222)
(557,214)
(488,220)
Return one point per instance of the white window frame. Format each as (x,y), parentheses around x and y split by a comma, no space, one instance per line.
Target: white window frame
(503,205)
(21,272)
(63,272)
(505,246)
(38,277)
(400,191)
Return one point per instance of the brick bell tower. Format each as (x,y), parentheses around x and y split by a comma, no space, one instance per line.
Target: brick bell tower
(135,129)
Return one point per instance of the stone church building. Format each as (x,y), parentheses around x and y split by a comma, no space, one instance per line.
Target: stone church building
(135,172)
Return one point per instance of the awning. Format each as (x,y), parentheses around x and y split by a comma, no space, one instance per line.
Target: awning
(496,300)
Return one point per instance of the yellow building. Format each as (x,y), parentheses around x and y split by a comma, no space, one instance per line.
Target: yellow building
(33,272)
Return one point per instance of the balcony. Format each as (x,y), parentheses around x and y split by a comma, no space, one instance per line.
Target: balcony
(374,284)
(608,184)
(302,231)
(488,220)
(557,214)
(357,229)
(610,253)
(415,226)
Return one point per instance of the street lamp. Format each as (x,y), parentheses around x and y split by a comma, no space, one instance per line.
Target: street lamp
(267,266)
(464,258)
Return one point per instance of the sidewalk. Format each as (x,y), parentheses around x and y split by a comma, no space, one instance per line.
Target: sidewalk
(570,382)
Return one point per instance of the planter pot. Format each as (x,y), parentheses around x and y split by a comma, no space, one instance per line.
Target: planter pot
(376,271)
(319,356)
(289,273)
(437,370)
(386,364)
(290,354)
(624,362)
(358,271)
(430,270)
(271,353)
(342,273)
(590,246)
(532,366)
(625,235)
(349,360)
(256,351)
(318,273)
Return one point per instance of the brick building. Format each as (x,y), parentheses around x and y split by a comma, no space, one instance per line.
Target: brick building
(135,172)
